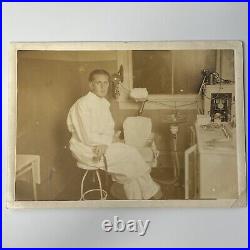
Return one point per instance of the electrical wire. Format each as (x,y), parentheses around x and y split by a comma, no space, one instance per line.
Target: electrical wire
(219,80)
(164,104)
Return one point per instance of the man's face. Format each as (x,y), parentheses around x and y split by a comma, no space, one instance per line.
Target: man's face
(100,85)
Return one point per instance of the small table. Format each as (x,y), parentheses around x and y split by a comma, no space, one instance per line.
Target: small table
(25,163)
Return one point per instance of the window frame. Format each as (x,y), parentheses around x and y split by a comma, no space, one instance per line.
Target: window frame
(155,101)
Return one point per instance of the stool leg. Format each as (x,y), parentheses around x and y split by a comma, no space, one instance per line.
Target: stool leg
(100,183)
(106,172)
(83,178)
(106,180)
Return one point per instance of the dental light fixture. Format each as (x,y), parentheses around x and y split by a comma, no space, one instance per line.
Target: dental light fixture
(116,80)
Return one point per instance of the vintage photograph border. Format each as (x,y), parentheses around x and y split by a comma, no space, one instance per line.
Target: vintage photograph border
(237,46)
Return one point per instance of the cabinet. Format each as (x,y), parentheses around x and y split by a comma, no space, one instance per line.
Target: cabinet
(217,165)
(213,174)
(217,176)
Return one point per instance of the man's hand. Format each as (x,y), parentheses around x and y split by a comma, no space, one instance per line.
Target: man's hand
(99,151)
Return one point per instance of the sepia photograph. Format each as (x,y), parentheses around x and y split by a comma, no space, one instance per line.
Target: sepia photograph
(105,124)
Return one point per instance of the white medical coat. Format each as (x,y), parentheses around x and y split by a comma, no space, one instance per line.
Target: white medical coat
(91,123)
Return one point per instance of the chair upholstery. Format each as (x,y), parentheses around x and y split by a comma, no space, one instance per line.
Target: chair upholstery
(138,133)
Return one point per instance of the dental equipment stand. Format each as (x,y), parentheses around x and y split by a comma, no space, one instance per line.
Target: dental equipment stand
(142,107)
(174,131)
(173,122)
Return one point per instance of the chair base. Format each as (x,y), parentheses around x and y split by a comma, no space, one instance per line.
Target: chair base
(117,191)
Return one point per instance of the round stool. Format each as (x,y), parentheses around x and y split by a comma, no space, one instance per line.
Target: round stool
(100,190)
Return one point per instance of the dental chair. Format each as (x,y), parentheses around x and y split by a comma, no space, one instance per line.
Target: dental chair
(138,129)
(138,133)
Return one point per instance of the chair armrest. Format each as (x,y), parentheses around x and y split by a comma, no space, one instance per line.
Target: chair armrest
(156,152)
(149,141)
(116,137)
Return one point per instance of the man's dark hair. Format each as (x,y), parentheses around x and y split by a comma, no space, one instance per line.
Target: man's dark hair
(98,72)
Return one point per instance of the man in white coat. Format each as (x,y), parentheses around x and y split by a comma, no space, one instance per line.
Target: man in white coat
(92,127)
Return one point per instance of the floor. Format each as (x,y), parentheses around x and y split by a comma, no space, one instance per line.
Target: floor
(171,190)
